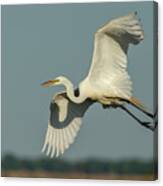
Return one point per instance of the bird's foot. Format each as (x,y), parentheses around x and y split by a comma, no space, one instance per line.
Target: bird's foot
(149,125)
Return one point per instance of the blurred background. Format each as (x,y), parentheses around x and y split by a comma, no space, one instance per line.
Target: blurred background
(40,42)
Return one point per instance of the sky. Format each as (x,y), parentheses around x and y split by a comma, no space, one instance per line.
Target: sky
(41,42)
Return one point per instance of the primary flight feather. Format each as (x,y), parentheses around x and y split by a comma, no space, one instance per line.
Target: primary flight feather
(107,82)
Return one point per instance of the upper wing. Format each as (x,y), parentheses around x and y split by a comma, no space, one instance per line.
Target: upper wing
(108,72)
(64,123)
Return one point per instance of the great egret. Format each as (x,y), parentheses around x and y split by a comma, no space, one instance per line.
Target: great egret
(107,82)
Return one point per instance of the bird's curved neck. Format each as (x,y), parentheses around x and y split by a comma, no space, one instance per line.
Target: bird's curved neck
(70,92)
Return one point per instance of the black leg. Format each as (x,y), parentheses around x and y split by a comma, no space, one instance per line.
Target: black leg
(131,103)
(156,117)
(144,111)
(144,124)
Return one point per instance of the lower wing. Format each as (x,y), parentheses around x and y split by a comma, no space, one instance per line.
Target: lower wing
(64,124)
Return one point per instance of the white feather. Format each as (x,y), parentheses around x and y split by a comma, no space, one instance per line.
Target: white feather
(108,73)
(46,141)
(53,143)
(65,142)
(49,142)
(57,142)
(62,146)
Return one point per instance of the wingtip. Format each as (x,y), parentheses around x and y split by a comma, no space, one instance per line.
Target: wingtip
(43,148)
(51,156)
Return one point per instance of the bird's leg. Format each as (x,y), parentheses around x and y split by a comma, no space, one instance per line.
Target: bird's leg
(135,105)
(145,124)
(153,116)
(142,110)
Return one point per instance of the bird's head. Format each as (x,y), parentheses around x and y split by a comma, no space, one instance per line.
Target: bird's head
(57,81)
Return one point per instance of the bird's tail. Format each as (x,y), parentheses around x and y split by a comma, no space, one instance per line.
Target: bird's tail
(134,101)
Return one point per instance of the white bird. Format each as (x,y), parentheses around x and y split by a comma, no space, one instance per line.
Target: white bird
(107,82)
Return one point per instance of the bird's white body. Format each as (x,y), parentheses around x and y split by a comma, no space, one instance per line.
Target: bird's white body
(106,81)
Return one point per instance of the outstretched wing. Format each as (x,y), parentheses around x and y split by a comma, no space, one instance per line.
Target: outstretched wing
(108,72)
(64,124)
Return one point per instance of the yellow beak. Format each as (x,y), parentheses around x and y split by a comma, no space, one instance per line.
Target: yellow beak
(50,83)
